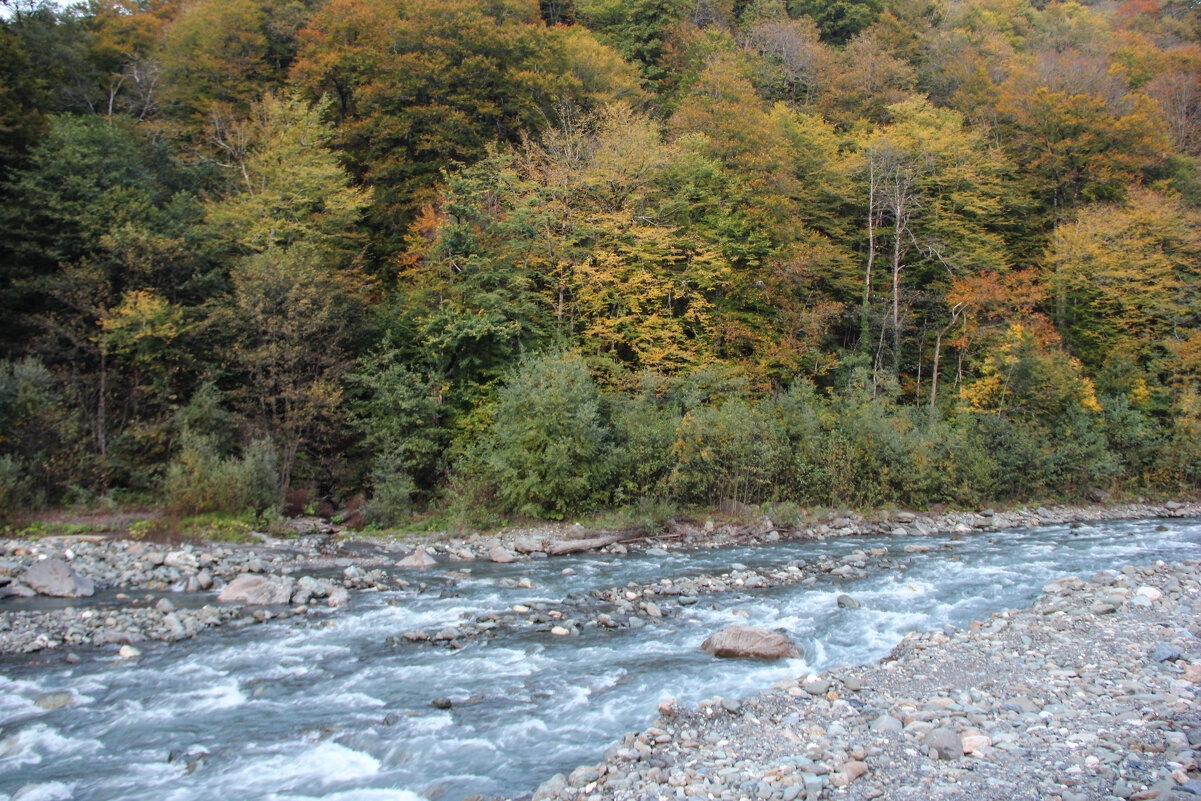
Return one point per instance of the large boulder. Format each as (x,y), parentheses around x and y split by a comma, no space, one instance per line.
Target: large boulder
(419,558)
(55,577)
(258,590)
(500,555)
(742,642)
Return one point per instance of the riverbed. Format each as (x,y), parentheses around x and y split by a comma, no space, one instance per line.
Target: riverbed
(339,706)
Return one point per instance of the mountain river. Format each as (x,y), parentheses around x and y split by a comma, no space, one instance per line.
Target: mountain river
(331,709)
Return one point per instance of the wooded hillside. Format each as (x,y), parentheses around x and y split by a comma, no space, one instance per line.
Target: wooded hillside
(508,256)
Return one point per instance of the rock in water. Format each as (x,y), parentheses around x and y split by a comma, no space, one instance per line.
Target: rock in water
(55,577)
(251,589)
(500,555)
(418,558)
(847,602)
(742,642)
(52,701)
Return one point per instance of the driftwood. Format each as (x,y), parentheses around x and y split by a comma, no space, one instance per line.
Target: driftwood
(561,547)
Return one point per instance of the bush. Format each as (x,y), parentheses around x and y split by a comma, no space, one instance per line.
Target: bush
(644,427)
(548,453)
(199,480)
(14,485)
(392,490)
(734,451)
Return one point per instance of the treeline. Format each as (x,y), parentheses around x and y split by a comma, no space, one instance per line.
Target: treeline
(503,256)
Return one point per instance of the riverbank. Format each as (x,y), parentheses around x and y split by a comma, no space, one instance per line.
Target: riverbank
(1090,693)
(143,591)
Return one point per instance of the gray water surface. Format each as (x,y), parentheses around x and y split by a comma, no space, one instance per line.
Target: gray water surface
(297,710)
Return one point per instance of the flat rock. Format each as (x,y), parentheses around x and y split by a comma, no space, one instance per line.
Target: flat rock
(55,577)
(258,590)
(946,741)
(419,558)
(743,642)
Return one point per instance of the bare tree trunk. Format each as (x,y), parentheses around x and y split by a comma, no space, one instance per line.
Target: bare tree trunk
(871,247)
(101,409)
(955,312)
(896,295)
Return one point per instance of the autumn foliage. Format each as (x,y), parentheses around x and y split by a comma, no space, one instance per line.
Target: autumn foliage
(551,257)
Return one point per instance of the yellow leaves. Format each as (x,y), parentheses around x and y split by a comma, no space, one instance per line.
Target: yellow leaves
(1125,275)
(142,318)
(1022,378)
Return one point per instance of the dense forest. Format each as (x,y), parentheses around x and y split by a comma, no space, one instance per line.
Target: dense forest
(489,257)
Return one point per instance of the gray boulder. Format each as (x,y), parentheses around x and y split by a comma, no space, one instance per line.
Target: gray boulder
(419,558)
(742,642)
(258,590)
(946,741)
(55,577)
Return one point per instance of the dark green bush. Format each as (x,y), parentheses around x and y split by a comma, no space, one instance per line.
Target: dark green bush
(549,451)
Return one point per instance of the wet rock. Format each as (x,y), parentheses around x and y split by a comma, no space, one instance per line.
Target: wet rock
(847,602)
(742,642)
(164,606)
(258,590)
(337,596)
(442,703)
(52,701)
(128,652)
(55,577)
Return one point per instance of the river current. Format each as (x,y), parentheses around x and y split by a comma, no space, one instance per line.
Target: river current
(330,709)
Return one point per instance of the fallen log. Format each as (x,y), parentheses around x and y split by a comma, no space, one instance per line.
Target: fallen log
(562,547)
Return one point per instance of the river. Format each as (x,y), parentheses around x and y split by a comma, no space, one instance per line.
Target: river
(330,709)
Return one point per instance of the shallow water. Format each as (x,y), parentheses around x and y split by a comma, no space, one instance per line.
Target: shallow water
(297,711)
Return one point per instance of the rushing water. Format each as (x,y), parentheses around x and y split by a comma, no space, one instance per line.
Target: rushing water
(299,711)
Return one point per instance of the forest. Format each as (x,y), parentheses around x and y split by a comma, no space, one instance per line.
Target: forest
(464,260)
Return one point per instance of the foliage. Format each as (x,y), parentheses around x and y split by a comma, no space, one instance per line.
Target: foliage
(546,453)
(482,257)
(200,480)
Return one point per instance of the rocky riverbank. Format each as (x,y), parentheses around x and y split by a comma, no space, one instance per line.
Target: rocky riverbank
(124,592)
(1091,693)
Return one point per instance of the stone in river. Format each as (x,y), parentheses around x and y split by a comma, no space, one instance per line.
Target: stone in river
(55,577)
(847,602)
(442,703)
(52,701)
(337,596)
(418,558)
(742,642)
(500,555)
(251,589)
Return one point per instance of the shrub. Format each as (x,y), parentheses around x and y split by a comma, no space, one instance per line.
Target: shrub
(734,451)
(644,427)
(392,490)
(199,480)
(548,452)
